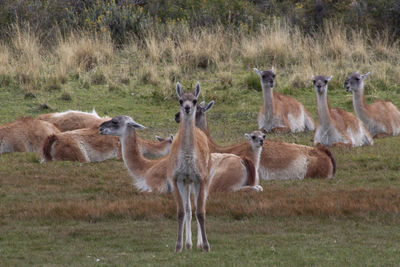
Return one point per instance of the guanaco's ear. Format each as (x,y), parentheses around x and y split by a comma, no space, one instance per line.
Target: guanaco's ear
(272,69)
(209,106)
(365,75)
(135,125)
(202,104)
(313,78)
(330,78)
(178,117)
(247,136)
(197,90)
(160,139)
(171,138)
(178,89)
(257,71)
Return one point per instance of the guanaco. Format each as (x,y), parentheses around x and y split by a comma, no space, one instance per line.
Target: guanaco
(281,113)
(87,145)
(336,126)
(279,160)
(381,118)
(189,169)
(73,119)
(25,135)
(228,172)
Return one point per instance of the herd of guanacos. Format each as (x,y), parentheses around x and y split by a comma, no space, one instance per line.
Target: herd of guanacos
(191,162)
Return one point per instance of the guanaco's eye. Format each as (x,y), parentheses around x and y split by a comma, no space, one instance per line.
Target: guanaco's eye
(313,81)
(253,137)
(194,101)
(326,81)
(180,101)
(357,79)
(273,76)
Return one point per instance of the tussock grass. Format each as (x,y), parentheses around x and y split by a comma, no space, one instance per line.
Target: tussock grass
(159,60)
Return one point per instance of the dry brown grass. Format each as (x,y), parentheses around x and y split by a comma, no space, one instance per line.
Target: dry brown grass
(161,60)
(101,191)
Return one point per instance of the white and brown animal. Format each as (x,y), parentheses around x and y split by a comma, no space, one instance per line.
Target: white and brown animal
(72,119)
(189,170)
(88,145)
(336,126)
(281,113)
(278,160)
(228,172)
(148,175)
(25,135)
(381,118)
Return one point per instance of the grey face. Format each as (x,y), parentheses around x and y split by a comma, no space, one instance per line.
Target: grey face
(256,138)
(117,125)
(201,120)
(354,81)
(188,101)
(321,83)
(267,77)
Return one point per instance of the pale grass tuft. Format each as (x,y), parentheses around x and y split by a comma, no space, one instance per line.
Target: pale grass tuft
(27,61)
(274,45)
(148,73)
(83,52)
(226,79)
(6,67)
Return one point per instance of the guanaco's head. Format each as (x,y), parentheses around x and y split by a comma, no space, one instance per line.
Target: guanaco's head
(267,77)
(355,82)
(201,119)
(188,100)
(321,83)
(118,126)
(169,139)
(256,138)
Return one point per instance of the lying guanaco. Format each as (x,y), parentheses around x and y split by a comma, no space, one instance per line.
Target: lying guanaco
(279,160)
(336,126)
(381,118)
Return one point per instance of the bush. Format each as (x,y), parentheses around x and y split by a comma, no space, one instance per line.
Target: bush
(252,82)
(124,18)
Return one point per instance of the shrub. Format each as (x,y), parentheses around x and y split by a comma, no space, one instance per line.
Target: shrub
(252,82)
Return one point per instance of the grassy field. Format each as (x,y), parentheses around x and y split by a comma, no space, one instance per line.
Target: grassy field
(68,213)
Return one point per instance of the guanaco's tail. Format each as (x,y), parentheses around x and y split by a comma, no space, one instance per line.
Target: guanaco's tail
(46,147)
(330,155)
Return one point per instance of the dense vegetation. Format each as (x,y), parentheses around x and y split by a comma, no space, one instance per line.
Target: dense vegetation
(136,17)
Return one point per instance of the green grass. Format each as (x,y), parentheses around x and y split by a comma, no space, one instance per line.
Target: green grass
(69,213)
(256,241)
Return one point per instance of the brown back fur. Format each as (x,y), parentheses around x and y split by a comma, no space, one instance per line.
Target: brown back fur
(73,120)
(25,135)
(97,147)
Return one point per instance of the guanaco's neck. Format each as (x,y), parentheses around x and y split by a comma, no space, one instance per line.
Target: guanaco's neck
(360,107)
(149,148)
(136,163)
(186,132)
(253,153)
(323,110)
(268,96)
